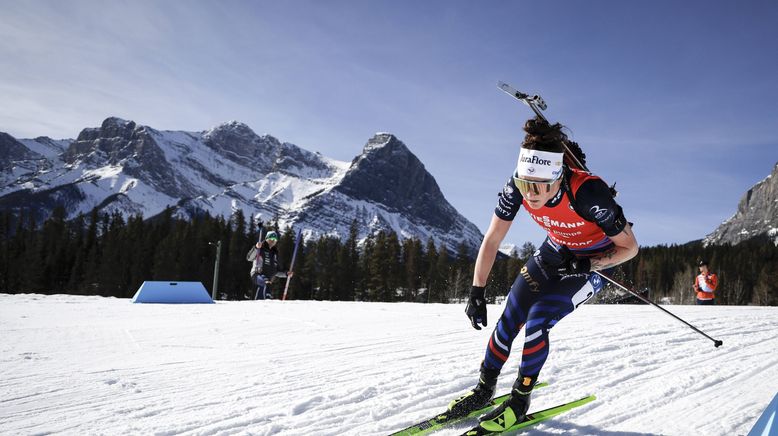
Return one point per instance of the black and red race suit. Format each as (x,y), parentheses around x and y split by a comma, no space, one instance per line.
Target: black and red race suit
(582,217)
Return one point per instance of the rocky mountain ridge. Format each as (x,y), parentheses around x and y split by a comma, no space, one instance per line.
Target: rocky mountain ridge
(134,169)
(757,214)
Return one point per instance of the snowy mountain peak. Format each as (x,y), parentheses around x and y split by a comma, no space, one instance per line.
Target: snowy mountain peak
(239,143)
(232,127)
(388,173)
(112,127)
(114,142)
(380,141)
(117,122)
(12,150)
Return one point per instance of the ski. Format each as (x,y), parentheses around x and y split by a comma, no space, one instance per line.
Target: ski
(443,420)
(534,417)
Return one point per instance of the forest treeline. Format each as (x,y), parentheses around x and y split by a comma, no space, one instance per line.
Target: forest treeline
(108,255)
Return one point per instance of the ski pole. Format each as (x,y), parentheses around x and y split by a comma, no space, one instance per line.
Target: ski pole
(257,260)
(717,343)
(291,264)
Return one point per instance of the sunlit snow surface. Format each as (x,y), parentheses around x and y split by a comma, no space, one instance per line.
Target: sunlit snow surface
(92,365)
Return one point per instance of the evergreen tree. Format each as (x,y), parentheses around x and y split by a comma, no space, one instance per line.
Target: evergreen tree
(431,268)
(347,267)
(364,291)
(766,288)
(55,261)
(141,253)
(461,273)
(377,274)
(5,235)
(443,272)
(237,281)
(412,259)
(102,254)
(499,279)
(393,267)
(527,250)
(36,279)
(306,275)
(326,261)
(296,283)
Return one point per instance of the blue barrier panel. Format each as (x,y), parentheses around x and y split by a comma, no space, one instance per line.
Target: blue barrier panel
(172,292)
(767,424)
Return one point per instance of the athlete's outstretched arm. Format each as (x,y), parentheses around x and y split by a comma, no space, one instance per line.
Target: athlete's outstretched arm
(626,247)
(498,228)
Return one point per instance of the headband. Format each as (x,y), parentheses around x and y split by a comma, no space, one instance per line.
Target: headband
(541,164)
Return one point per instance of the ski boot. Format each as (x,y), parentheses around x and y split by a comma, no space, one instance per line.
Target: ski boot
(512,411)
(479,397)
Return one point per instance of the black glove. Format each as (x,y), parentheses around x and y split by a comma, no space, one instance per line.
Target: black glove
(572,264)
(476,307)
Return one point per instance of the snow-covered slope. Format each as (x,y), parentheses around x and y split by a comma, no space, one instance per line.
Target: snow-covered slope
(134,169)
(93,365)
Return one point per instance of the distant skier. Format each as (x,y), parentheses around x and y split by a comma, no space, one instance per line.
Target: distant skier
(587,231)
(705,284)
(265,266)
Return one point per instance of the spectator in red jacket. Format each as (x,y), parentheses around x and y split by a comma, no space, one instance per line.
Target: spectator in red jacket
(705,284)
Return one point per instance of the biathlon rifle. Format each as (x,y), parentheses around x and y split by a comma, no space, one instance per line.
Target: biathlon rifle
(537,104)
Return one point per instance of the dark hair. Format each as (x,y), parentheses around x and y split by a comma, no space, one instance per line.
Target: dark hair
(543,136)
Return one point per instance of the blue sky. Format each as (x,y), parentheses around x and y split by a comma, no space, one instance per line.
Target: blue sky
(674,101)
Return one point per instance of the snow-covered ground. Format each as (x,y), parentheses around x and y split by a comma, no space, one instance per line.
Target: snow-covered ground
(91,365)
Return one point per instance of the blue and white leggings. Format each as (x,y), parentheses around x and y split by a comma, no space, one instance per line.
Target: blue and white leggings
(538,299)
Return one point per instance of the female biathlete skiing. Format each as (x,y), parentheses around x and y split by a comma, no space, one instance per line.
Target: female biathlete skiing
(587,231)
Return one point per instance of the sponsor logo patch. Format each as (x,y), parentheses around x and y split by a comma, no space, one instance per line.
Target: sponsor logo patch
(535,160)
(548,222)
(533,285)
(599,213)
(596,282)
